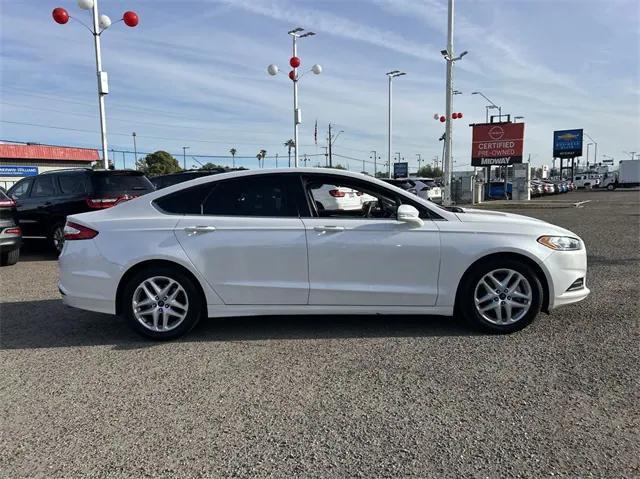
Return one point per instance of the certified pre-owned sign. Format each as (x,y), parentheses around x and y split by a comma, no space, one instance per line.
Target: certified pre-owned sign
(497,144)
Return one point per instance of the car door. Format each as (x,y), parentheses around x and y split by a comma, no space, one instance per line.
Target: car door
(43,197)
(248,241)
(25,206)
(366,257)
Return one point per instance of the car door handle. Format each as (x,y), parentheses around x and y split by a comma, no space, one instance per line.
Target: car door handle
(328,228)
(192,230)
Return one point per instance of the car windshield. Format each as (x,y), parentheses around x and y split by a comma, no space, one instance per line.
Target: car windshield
(121,182)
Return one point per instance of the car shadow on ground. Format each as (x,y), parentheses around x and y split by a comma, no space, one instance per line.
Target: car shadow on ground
(37,250)
(51,324)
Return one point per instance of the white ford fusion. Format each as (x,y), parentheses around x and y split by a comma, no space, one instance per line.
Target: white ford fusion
(257,243)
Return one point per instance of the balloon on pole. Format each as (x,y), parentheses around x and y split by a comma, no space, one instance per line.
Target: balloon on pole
(130,19)
(272,69)
(60,15)
(85,4)
(317,69)
(104,21)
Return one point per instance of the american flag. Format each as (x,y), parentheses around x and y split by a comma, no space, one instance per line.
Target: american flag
(315,133)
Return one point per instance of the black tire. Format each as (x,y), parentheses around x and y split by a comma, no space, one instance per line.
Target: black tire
(611,187)
(9,258)
(197,306)
(56,237)
(465,303)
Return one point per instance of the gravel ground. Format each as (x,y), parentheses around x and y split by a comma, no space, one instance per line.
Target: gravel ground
(82,396)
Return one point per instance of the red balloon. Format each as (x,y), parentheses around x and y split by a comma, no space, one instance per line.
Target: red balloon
(454,116)
(294,62)
(442,119)
(130,19)
(459,115)
(60,15)
(292,75)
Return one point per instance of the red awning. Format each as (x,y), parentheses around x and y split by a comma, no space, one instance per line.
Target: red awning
(42,152)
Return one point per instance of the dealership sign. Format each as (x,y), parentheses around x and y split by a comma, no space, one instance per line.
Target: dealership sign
(400,170)
(497,144)
(567,143)
(18,170)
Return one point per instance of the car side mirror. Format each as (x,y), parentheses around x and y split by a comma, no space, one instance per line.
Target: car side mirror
(409,214)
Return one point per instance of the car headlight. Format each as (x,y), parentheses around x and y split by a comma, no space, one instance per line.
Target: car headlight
(561,243)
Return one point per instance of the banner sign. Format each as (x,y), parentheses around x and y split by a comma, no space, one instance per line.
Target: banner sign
(400,170)
(18,170)
(567,143)
(497,144)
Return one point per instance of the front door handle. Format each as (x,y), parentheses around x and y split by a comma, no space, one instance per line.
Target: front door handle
(328,228)
(192,230)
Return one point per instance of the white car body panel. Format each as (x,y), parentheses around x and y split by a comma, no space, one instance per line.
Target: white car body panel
(255,266)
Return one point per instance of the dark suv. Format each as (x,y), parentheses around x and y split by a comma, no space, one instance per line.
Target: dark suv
(170,179)
(45,201)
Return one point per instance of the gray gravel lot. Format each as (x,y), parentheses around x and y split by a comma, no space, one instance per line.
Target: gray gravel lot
(83,396)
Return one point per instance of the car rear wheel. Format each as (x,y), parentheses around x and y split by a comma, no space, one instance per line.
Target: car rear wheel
(611,187)
(57,237)
(501,296)
(162,303)
(9,258)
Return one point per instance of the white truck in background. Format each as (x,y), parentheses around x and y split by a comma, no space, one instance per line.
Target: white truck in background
(627,176)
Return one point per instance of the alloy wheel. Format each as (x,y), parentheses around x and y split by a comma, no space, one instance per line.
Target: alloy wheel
(58,238)
(503,296)
(160,304)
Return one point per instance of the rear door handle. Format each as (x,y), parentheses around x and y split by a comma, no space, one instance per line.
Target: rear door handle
(328,228)
(192,230)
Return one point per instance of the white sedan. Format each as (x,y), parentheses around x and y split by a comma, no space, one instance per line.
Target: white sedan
(256,243)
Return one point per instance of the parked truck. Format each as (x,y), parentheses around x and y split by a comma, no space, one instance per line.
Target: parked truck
(627,176)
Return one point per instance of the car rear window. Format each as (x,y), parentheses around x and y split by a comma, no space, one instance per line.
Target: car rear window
(131,182)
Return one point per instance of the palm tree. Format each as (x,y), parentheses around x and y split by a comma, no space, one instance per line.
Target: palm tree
(261,156)
(233,152)
(289,144)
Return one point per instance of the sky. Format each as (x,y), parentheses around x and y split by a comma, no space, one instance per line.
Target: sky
(193,73)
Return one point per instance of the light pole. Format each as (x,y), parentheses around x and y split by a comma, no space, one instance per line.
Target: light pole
(184,156)
(588,145)
(100,24)
(391,75)
(375,162)
(135,151)
(489,107)
(450,58)
(295,62)
(419,161)
(595,151)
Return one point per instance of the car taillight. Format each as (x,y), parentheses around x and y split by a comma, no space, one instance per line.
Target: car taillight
(13,231)
(7,203)
(101,203)
(336,193)
(74,231)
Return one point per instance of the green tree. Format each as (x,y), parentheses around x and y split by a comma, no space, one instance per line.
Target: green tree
(159,163)
(261,156)
(210,166)
(338,167)
(429,171)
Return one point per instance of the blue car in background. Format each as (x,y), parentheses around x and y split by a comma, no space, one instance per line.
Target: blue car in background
(496,189)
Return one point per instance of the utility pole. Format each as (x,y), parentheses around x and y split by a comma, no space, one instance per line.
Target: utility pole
(276,160)
(184,157)
(326,156)
(419,161)
(135,151)
(124,163)
(330,142)
(448,166)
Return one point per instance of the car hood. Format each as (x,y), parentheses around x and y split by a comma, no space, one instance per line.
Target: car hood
(512,221)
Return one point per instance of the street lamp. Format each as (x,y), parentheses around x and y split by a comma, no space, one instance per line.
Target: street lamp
(295,63)
(100,24)
(375,158)
(391,75)
(492,107)
(595,152)
(450,58)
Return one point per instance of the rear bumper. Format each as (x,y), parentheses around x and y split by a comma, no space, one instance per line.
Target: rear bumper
(10,243)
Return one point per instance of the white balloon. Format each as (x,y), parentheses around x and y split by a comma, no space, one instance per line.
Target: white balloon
(85,4)
(272,69)
(317,69)
(104,22)
(436,116)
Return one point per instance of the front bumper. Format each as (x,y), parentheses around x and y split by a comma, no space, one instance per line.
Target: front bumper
(564,268)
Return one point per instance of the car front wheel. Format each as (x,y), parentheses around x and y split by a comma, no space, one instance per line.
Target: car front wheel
(501,296)
(162,303)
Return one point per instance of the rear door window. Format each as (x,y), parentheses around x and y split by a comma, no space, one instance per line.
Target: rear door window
(73,184)
(44,186)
